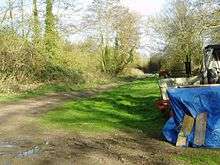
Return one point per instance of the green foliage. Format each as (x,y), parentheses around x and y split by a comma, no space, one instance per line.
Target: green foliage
(181,28)
(60,73)
(36,25)
(16,53)
(115,61)
(154,64)
(118,31)
(38,53)
(84,59)
(22,63)
(51,34)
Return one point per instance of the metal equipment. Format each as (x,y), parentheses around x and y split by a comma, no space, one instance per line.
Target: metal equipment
(210,70)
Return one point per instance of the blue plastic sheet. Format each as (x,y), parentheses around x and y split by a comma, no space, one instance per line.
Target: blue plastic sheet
(193,101)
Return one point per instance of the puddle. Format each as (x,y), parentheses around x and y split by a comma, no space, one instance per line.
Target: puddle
(35,150)
(7,149)
(5,145)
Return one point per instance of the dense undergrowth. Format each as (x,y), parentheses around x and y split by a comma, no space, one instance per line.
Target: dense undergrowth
(24,66)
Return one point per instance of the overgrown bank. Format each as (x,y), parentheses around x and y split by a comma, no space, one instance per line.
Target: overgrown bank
(36,47)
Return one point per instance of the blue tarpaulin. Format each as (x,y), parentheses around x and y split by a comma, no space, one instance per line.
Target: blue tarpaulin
(193,101)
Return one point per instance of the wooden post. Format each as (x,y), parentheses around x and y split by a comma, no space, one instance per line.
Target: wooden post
(200,129)
(186,129)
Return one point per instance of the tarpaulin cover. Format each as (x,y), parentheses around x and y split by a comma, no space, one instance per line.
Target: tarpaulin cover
(193,101)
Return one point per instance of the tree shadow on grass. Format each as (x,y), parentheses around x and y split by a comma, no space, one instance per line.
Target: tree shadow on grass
(140,112)
(129,108)
(127,119)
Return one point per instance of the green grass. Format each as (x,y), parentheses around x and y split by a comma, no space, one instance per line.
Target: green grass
(199,156)
(54,88)
(41,90)
(127,108)
(49,88)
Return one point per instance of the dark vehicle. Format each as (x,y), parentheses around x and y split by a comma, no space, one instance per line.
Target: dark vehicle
(211,65)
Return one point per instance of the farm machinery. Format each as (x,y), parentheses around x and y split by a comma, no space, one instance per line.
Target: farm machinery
(193,102)
(209,72)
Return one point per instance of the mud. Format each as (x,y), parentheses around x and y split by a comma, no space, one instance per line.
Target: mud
(23,141)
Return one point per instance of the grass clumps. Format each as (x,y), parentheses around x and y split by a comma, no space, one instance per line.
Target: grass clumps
(127,108)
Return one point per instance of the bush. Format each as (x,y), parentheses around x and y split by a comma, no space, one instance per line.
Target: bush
(23,62)
(151,66)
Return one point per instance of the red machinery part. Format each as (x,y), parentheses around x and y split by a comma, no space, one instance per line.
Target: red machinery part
(163,105)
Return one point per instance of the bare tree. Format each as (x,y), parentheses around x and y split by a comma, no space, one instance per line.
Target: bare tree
(115,29)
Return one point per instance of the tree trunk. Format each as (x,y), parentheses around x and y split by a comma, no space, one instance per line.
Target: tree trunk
(51,35)
(36,23)
(22,18)
(10,5)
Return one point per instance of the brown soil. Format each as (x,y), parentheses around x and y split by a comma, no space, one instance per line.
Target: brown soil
(22,141)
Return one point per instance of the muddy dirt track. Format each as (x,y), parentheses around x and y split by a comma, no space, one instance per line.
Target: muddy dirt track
(23,141)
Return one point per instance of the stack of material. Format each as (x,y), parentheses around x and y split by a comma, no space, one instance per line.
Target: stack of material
(196,117)
(164,84)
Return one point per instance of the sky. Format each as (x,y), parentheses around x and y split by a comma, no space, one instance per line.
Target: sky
(144,7)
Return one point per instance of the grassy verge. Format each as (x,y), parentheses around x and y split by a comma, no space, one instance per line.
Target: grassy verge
(199,156)
(42,90)
(52,88)
(127,108)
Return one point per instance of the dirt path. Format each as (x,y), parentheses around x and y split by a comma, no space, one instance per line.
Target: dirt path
(22,141)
